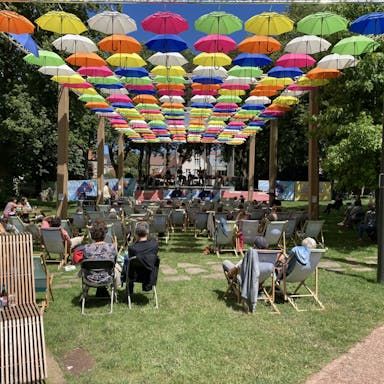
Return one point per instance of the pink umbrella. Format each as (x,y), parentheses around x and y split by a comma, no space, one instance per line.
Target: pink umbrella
(215,43)
(171,92)
(80,85)
(151,111)
(148,87)
(235,86)
(178,122)
(295,87)
(226,106)
(236,124)
(119,99)
(109,114)
(165,23)
(117,121)
(299,60)
(95,71)
(205,92)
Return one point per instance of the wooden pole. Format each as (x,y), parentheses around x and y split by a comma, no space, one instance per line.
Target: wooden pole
(100,160)
(120,164)
(251,167)
(231,164)
(313,158)
(273,138)
(62,152)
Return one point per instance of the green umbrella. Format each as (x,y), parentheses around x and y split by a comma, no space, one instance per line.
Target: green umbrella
(229,99)
(103,80)
(245,71)
(157,123)
(355,45)
(91,98)
(170,79)
(45,58)
(322,24)
(147,106)
(218,23)
(136,80)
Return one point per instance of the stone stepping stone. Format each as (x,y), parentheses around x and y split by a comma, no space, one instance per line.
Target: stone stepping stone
(176,278)
(362,269)
(214,276)
(217,267)
(187,265)
(212,263)
(195,271)
(63,286)
(78,361)
(329,264)
(168,271)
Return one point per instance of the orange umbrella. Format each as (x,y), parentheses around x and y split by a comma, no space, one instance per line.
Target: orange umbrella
(205,87)
(265,92)
(170,86)
(97,105)
(323,73)
(197,121)
(173,105)
(86,60)
(278,107)
(145,99)
(261,87)
(12,22)
(119,44)
(259,44)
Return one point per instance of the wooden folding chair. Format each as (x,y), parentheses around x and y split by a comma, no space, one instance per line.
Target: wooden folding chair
(225,241)
(55,244)
(43,280)
(314,229)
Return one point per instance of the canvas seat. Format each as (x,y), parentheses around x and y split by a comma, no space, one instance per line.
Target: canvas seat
(55,244)
(201,222)
(160,226)
(314,229)
(43,280)
(249,229)
(178,219)
(225,238)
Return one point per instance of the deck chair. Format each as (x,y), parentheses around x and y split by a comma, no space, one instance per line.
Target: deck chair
(118,229)
(109,236)
(201,221)
(314,229)
(225,240)
(257,214)
(22,341)
(55,244)
(103,208)
(283,216)
(20,226)
(106,269)
(191,213)
(65,225)
(178,219)
(136,272)
(95,215)
(290,229)
(43,280)
(160,225)
(299,275)
(79,221)
(275,234)
(249,229)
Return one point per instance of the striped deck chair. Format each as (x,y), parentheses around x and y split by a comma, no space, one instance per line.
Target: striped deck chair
(225,238)
(160,225)
(201,222)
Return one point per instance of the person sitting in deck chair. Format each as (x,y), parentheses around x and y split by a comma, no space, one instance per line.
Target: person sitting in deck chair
(72,242)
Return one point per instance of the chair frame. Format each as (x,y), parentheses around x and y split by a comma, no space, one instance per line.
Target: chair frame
(233,249)
(49,281)
(300,235)
(64,255)
(167,232)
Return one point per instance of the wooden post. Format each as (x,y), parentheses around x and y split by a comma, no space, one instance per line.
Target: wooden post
(231,164)
(273,138)
(313,158)
(100,160)
(251,167)
(62,152)
(120,164)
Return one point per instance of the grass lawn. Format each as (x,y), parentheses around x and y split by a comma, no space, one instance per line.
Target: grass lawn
(198,337)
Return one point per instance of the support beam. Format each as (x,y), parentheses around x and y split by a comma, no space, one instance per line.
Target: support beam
(273,138)
(100,160)
(231,164)
(380,212)
(62,152)
(313,157)
(251,166)
(120,163)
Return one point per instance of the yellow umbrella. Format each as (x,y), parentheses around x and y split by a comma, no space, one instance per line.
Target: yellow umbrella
(269,24)
(212,59)
(61,22)
(126,60)
(161,70)
(74,79)
(275,81)
(85,91)
(306,82)
(232,92)
(286,100)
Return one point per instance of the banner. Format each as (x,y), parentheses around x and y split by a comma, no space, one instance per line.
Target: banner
(285,190)
(301,191)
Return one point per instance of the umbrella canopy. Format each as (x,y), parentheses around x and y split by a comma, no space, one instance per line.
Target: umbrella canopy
(286,100)
(285,72)
(252,60)
(355,45)
(170,79)
(207,80)
(119,98)
(257,100)
(369,24)
(229,99)
(126,60)
(264,92)
(210,71)
(203,99)
(74,43)
(218,23)
(112,22)
(95,71)
(26,41)
(215,43)
(145,99)
(322,73)
(137,80)
(120,91)
(166,43)
(212,59)
(322,24)
(96,104)
(61,22)
(161,70)
(132,72)
(119,44)
(73,79)
(269,23)
(165,23)
(168,59)
(86,60)
(61,70)
(12,22)
(91,98)
(259,44)
(336,61)
(170,86)
(45,58)
(274,81)
(103,80)
(299,60)
(305,81)
(308,44)
(245,71)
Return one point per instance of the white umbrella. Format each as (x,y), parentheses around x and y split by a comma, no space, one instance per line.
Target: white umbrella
(119,91)
(171,99)
(287,92)
(203,99)
(61,70)
(75,43)
(258,100)
(112,22)
(210,71)
(240,80)
(168,59)
(336,61)
(307,44)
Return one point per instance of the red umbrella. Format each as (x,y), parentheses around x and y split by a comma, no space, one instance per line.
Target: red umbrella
(95,71)
(215,43)
(299,60)
(80,85)
(165,23)
(171,92)
(119,99)
(235,86)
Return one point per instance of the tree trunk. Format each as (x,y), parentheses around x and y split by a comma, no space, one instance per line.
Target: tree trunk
(140,164)
(112,158)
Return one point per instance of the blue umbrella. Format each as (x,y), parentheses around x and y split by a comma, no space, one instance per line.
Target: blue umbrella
(207,80)
(132,72)
(285,72)
(26,40)
(253,107)
(102,109)
(123,105)
(258,123)
(166,43)
(369,24)
(110,86)
(252,60)
(201,105)
(224,110)
(141,92)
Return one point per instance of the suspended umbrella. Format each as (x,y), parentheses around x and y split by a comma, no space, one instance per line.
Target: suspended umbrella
(239,80)
(161,70)
(96,104)
(215,43)
(245,71)
(120,91)
(145,99)
(61,22)
(122,105)
(26,41)
(305,81)
(131,72)
(76,86)
(272,84)
(103,79)
(203,99)
(322,24)
(95,71)
(170,79)
(322,73)
(218,23)
(369,24)
(12,22)
(229,99)
(126,60)
(286,100)
(170,86)
(166,43)
(45,58)
(252,60)
(207,80)
(168,59)
(236,86)
(299,60)
(336,61)
(278,107)
(355,45)
(172,99)
(86,60)
(308,44)
(259,44)
(258,100)
(112,22)
(91,98)
(296,93)
(236,92)
(137,80)
(266,92)
(212,59)
(61,70)
(291,72)
(208,71)
(269,23)
(74,43)
(74,79)
(87,91)
(119,98)
(165,23)
(119,44)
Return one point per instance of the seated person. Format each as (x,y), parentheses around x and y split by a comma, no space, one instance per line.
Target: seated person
(72,242)
(353,214)
(337,204)
(368,226)
(112,215)
(6,227)
(10,208)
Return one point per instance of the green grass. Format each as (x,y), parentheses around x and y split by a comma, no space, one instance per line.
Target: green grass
(198,337)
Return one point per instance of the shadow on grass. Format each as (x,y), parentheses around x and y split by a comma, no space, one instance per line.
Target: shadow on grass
(229,301)
(350,262)
(354,275)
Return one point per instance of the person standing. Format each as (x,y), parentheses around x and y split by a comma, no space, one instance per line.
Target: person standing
(107,193)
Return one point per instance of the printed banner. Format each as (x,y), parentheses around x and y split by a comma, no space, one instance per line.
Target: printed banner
(285,190)
(301,191)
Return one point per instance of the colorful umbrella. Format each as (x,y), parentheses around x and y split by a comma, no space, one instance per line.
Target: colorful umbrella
(212,59)
(61,70)
(355,45)
(369,24)
(119,44)
(91,98)
(146,99)
(170,79)
(291,72)
(264,92)
(74,43)
(45,58)
(269,23)
(322,24)
(218,23)
(215,43)
(168,59)
(172,99)
(95,71)
(229,99)
(277,82)
(259,44)
(258,100)
(165,23)
(203,99)
(137,80)
(103,79)
(336,61)
(126,60)
(309,45)
(210,71)
(76,86)
(168,71)
(12,22)
(74,79)
(86,60)
(112,22)
(119,98)
(166,43)
(95,104)
(252,60)
(207,80)
(61,22)
(26,41)
(322,73)
(299,60)
(245,71)
(286,100)
(131,72)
